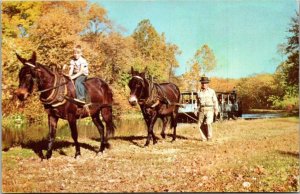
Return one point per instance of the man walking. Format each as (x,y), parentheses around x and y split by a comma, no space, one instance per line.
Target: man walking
(208,107)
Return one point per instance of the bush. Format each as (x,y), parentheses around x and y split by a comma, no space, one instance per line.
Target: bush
(288,103)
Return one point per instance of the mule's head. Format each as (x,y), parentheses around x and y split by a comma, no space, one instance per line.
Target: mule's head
(26,76)
(137,86)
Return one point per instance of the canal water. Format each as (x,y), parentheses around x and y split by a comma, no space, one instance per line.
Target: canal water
(263,115)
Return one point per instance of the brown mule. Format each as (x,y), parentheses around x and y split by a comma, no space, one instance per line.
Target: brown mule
(55,91)
(156,101)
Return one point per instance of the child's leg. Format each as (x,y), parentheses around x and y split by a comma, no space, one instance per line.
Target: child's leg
(80,88)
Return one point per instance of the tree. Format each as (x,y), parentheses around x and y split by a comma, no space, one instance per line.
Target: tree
(155,53)
(118,55)
(98,21)
(223,84)
(290,68)
(287,72)
(255,91)
(171,51)
(292,51)
(205,59)
(50,28)
(55,39)
(147,39)
(19,17)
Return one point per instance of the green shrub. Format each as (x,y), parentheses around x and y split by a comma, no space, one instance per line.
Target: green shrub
(289,103)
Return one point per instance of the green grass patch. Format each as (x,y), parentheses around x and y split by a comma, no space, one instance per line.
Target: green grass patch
(18,152)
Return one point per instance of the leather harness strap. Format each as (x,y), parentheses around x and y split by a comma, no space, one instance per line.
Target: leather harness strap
(56,98)
(49,98)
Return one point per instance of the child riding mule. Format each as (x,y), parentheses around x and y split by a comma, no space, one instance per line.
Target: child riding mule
(56,90)
(156,101)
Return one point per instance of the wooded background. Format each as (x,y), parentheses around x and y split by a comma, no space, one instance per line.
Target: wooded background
(52,29)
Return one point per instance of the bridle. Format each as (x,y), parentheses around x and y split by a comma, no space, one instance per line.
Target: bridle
(47,89)
(143,86)
(52,96)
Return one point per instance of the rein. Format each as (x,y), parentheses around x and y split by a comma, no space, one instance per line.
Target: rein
(48,89)
(55,98)
(54,87)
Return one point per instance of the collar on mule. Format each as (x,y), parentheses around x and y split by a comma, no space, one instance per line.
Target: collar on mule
(30,64)
(139,77)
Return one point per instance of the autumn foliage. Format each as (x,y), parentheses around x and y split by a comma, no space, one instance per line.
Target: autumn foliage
(53,28)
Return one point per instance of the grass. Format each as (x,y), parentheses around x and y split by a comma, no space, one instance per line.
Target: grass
(244,156)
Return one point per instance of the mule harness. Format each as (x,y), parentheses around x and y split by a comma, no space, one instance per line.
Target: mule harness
(153,91)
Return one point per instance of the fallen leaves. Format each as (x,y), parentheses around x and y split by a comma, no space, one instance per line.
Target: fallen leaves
(246,184)
(229,165)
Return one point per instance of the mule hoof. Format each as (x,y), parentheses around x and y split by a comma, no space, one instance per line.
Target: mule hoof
(102,148)
(107,145)
(77,155)
(154,142)
(163,135)
(48,155)
(98,154)
(146,144)
(41,156)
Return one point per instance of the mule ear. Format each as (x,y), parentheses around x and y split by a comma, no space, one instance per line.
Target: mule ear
(146,70)
(143,75)
(33,57)
(132,70)
(20,58)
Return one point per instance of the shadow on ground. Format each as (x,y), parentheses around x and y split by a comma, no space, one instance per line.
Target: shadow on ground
(133,139)
(39,146)
(288,153)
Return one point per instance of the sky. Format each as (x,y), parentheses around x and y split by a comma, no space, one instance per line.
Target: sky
(243,34)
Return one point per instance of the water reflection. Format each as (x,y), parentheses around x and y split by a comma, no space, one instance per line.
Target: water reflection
(86,129)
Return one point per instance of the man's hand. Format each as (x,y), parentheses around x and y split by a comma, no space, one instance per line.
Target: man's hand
(64,67)
(216,113)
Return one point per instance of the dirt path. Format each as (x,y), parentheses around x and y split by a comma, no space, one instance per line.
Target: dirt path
(258,155)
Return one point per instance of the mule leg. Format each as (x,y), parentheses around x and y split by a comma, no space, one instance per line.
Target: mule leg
(110,127)
(150,131)
(100,128)
(165,121)
(52,124)
(174,124)
(74,133)
(147,120)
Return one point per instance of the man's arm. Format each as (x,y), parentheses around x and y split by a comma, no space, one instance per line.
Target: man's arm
(216,104)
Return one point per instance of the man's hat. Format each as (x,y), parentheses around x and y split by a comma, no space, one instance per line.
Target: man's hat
(204,80)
